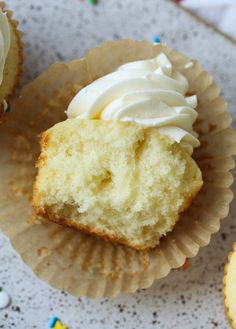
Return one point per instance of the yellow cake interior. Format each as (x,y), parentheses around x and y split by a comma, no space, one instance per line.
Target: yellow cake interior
(117,180)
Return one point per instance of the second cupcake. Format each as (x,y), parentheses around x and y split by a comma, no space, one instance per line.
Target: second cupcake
(11,57)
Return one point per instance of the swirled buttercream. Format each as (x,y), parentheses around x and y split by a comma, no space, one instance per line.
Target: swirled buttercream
(149,92)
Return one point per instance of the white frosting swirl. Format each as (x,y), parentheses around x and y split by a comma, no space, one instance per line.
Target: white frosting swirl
(150,93)
(5,37)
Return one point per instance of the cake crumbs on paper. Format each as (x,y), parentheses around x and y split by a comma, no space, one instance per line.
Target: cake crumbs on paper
(144,258)
(43,251)
(188,65)
(32,219)
(16,189)
(19,186)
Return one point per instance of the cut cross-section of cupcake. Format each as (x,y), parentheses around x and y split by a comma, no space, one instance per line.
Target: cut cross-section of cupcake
(11,57)
(229,288)
(117,180)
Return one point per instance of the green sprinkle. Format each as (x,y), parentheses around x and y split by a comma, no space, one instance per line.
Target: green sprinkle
(92,2)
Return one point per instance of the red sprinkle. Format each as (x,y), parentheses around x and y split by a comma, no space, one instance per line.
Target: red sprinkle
(186,265)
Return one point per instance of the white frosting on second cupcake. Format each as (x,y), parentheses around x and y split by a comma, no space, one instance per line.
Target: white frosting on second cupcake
(150,93)
(5,39)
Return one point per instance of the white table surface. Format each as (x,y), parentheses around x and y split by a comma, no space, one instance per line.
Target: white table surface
(190,299)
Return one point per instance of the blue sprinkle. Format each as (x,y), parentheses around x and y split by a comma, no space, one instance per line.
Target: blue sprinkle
(156,40)
(52,322)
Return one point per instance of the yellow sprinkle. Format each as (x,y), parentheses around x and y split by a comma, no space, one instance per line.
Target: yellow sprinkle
(58,325)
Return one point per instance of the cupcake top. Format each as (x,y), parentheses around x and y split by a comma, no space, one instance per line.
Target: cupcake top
(5,39)
(151,93)
(230,288)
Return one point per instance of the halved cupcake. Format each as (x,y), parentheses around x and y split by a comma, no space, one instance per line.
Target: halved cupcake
(67,258)
(120,167)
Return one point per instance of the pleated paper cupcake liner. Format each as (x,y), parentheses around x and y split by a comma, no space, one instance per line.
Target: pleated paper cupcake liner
(84,265)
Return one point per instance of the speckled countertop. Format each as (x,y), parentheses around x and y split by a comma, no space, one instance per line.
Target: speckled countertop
(190,299)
